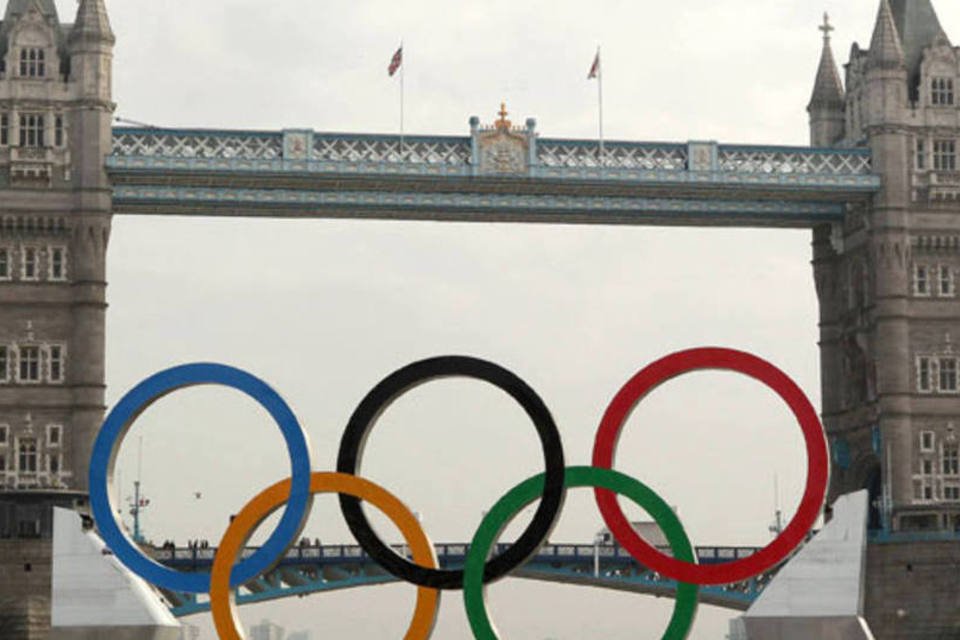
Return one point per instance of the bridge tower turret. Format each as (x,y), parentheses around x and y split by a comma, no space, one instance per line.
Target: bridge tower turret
(826,104)
(55,211)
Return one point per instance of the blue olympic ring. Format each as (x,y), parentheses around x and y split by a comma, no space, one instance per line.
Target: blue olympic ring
(118,423)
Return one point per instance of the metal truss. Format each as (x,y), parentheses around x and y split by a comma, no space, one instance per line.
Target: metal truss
(791,161)
(389,149)
(307,570)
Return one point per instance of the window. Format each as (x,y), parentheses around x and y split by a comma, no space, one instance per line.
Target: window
(947,288)
(948,375)
(924,379)
(4,129)
(921,280)
(31,130)
(4,363)
(3,465)
(5,271)
(951,493)
(926,441)
(951,461)
(33,63)
(28,456)
(927,492)
(30,263)
(941,92)
(921,154)
(56,363)
(927,466)
(54,432)
(58,131)
(4,434)
(29,364)
(58,265)
(944,155)
(53,465)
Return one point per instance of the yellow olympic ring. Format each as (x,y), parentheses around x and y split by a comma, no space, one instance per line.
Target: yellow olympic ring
(222,604)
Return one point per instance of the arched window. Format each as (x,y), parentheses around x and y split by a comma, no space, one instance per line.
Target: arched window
(28,456)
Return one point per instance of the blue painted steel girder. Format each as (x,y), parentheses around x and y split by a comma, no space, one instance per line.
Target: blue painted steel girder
(307,174)
(308,570)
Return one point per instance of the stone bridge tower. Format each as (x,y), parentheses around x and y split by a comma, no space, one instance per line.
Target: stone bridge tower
(887,280)
(55,207)
(890,313)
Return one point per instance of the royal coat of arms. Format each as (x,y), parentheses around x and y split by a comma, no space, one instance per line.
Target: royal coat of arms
(503,148)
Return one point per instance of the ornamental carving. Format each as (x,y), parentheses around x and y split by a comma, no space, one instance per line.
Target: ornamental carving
(504,149)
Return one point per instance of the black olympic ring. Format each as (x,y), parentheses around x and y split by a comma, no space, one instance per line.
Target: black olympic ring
(382,396)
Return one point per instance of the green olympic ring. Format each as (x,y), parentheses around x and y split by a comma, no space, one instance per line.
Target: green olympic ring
(507,508)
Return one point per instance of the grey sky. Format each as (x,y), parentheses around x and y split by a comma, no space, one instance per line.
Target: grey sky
(324,309)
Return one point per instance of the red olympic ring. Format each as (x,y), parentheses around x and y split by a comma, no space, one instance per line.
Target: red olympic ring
(655,374)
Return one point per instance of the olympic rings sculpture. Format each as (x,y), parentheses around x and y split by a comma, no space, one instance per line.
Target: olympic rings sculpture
(295,493)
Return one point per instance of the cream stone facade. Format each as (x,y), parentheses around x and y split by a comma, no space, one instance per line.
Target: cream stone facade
(887,281)
(55,127)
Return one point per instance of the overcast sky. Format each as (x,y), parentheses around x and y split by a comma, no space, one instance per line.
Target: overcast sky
(324,309)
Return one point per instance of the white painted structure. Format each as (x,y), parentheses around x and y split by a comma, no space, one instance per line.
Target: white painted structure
(820,592)
(97,598)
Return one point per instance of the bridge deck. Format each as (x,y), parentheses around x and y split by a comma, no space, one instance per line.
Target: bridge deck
(308,174)
(312,569)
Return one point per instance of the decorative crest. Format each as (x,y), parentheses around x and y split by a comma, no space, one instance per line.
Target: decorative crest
(503,124)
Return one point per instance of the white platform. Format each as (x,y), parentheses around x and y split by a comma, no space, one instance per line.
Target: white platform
(97,598)
(819,592)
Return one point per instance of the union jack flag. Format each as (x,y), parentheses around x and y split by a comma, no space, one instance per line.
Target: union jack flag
(595,68)
(396,61)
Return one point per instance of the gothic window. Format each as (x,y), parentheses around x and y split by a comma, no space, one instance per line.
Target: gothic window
(921,154)
(941,91)
(58,131)
(5,271)
(4,129)
(30,271)
(945,155)
(58,263)
(56,363)
(4,363)
(29,364)
(948,375)
(31,130)
(921,280)
(28,456)
(947,288)
(951,461)
(33,63)
(924,377)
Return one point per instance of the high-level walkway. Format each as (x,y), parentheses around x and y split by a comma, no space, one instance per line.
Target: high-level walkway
(498,173)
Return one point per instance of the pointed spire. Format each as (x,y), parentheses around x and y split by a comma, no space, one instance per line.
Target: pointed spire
(918,26)
(92,23)
(827,90)
(886,51)
(19,7)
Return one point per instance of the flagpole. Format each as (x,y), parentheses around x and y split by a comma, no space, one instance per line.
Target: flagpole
(402,73)
(600,104)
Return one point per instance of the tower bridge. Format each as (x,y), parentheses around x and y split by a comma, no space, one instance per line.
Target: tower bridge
(879,188)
